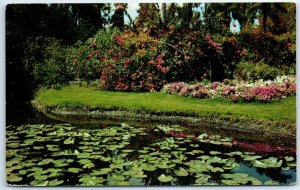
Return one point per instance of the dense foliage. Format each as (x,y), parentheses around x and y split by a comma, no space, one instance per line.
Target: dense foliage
(162,45)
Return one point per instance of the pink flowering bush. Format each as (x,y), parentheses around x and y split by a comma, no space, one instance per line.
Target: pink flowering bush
(263,91)
(130,62)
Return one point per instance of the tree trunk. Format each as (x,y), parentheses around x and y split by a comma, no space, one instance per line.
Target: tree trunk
(264,11)
(163,12)
(187,13)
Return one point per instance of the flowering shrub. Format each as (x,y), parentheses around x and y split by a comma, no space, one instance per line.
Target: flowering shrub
(264,91)
(133,62)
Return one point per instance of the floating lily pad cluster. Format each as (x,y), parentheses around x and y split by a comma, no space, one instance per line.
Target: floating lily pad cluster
(53,155)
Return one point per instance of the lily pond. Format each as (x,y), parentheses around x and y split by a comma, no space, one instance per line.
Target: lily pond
(122,155)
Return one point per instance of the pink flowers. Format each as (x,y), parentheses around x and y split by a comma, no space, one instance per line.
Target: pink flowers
(215,45)
(264,91)
(118,39)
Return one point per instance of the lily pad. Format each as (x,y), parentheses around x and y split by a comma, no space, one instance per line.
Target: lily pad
(163,178)
(291,164)
(216,169)
(60,163)
(202,179)
(127,151)
(55,182)
(45,162)
(214,152)
(238,153)
(74,170)
(239,179)
(181,172)
(102,171)
(69,140)
(91,180)
(14,178)
(116,177)
(250,158)
(124,125)
(122,183)
(148,167)
(39,183)
(271,182)
(289,158)
(267,163)
(164,165)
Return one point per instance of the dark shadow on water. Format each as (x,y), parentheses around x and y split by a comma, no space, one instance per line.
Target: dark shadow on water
(26,114)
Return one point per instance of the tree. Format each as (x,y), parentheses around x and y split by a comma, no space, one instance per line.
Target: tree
(163,12)
(117,19)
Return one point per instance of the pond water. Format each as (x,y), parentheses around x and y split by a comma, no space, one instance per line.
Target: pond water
(120,155)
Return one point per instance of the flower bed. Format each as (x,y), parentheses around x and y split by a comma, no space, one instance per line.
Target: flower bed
(263,91)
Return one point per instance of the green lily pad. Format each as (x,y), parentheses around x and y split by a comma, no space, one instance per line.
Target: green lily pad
(124,125)
(40,177)
(214,159)
(88,165)
(177,161)
(216,169)
(55,182)
(69,140)
(163,178)
(45,162)
(194,145)
(128,151)
(238,153)
(74,170)
(239,179)
(228,176)
(143,151)
(204,157)
(181,172)
(39,183)
(285,168)
(136,181)
(202,179)
(164,165)
(91,180)
(271,182)
(22,172)
(60,163)
(84,155)
(267,163)
(116,177)
(202,136)
(291,164)
(148,167)
(250,158)
(13,145)
(230,164)
(38,147)
(102,171)
(122,183)
(14,178)
(289,158)
(214,152)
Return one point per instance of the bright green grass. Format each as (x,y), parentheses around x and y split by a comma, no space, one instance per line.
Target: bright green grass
(74,96)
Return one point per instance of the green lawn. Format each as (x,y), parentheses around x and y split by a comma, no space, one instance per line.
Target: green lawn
(78,97)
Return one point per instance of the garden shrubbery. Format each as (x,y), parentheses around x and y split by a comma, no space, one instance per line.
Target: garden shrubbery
(132,62)
(147,58)
(254,71)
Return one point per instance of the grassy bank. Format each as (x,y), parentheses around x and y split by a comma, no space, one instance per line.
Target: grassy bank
(75,97)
